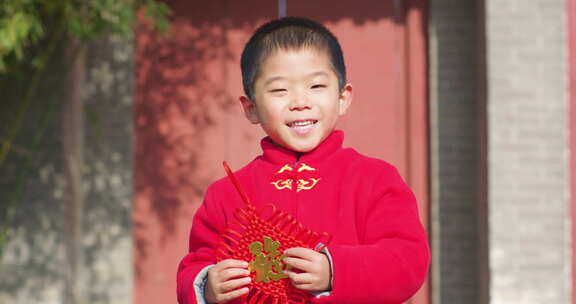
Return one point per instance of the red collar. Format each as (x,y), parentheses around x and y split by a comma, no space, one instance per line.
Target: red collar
(280,155)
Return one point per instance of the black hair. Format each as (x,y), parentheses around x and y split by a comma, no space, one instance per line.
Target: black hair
(289,33)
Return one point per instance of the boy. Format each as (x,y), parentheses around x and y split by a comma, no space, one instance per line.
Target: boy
(295,84)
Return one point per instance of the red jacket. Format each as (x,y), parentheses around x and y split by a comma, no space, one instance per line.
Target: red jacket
(379,248)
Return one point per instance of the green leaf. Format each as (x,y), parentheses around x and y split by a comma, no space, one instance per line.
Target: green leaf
(25,23)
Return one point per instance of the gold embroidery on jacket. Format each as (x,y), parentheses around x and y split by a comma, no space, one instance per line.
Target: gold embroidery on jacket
(306,184)
(301,183)
(305,167)
(283,184)
(285,168)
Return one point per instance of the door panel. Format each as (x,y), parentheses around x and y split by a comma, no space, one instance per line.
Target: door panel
(188,120)
(384,44)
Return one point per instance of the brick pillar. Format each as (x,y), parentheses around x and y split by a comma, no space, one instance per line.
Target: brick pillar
(530,250)
(455,99)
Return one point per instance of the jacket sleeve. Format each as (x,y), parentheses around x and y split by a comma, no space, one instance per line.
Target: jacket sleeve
(202,243)
(392,261)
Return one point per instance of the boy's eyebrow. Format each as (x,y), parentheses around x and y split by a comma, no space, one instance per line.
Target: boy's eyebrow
(319,73)
(313,74)
(272,79)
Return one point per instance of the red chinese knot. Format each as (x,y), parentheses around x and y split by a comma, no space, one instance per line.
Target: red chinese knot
(251,225)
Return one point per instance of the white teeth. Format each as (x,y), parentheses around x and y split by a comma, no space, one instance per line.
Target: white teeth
(302,123)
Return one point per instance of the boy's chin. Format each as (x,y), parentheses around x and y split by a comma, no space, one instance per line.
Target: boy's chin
(302,145)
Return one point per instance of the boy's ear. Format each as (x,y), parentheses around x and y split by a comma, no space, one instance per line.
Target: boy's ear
(249,108)
(345,98)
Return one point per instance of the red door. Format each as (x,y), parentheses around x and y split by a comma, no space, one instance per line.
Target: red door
(188,118)
(384,44)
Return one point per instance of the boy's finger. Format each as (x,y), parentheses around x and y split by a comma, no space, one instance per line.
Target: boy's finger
(300,252)
(299,278)
(298,263)
(229,273)
(233,284)
(307,287)
(231,263)
(233,294)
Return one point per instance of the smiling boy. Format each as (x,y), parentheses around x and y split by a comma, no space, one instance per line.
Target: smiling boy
(295,87)
(297,99)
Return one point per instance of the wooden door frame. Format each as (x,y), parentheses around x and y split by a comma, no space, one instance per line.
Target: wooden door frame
(416,80)
(571,57)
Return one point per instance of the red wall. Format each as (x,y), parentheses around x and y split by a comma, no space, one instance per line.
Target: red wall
(188,118)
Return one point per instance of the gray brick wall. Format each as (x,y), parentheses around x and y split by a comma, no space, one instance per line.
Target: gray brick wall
(455,155)
(109,170)
(32,264)
(528,153)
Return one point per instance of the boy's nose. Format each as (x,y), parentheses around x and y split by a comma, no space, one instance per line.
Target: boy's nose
(299,102)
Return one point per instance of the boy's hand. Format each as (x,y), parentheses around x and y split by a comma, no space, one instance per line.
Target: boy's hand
(314,267)
(224,279)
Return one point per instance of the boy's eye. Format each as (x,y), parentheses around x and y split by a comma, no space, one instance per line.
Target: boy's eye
(318,86)
(277,90)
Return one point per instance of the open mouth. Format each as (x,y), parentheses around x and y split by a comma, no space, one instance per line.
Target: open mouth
(302,123)
(302,126)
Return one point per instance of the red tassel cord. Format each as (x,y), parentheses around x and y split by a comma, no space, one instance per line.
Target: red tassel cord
(260,239)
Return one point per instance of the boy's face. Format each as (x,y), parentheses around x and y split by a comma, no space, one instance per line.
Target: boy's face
(296,98)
